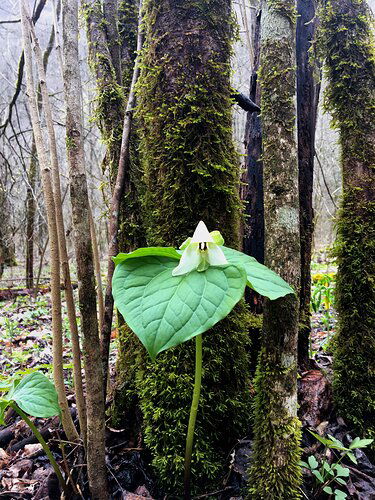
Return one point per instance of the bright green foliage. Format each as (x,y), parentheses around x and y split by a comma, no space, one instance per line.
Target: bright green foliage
(34,394)
(165,310)
(348,43)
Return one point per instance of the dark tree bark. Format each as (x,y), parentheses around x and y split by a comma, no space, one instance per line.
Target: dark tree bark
(308,87)
(254,229)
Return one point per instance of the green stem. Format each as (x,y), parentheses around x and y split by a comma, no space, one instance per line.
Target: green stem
(45,447)
(193,414)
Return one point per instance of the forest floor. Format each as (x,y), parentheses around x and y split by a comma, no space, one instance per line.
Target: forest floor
(25,346)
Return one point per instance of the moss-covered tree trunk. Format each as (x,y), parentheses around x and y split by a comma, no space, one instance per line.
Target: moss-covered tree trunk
(275,473)
(350,64)
(191,173)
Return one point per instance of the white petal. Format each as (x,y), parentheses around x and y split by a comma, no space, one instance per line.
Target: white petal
(201,234)
(189,261)
(216,256)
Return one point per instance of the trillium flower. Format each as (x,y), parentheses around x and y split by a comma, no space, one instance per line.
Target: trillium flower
(201,251)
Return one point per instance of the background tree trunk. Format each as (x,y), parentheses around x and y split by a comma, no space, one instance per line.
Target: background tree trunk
(275,472)
(308,87)
(191,173)
(350,63)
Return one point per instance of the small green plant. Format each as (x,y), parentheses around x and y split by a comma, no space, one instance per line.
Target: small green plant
(327,475)
(32,395)
(169,296)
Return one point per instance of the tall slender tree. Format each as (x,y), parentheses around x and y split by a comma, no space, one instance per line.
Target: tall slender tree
(96,466)
(275,472)
(350,66)
(191,173)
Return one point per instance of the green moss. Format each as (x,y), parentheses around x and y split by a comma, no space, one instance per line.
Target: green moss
(164,390)
(347,40)
(186,128)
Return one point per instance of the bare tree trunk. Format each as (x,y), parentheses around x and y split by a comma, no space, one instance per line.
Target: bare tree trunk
(275,471)
(81,220)
(63,253)
(98,276)
(308,87)
(44,165)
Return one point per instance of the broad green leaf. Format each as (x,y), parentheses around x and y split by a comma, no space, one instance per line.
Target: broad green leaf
(340,495)
(342,471)
(144,252)
(36,395)
(318,475)
(328,490)
(259,277)
(165,310)
(360,443)
(313,463)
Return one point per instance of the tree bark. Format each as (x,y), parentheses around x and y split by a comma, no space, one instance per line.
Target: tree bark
(83,248)
(308,87)
(275,470)
(350,63)
(30,216)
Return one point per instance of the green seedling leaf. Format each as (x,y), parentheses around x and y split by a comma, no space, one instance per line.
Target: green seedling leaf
(360,443)
(340,481)
(341,471)
(304,464)
(148,251)
(328,469)
(165,310)
(352,457)
(326,442)
(318,475)
(36,395)
(337,444)
(313,463)
(328,490)
(259,277)
(340,495)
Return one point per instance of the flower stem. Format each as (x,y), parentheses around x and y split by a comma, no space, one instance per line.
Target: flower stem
(193,414)
(45,447)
